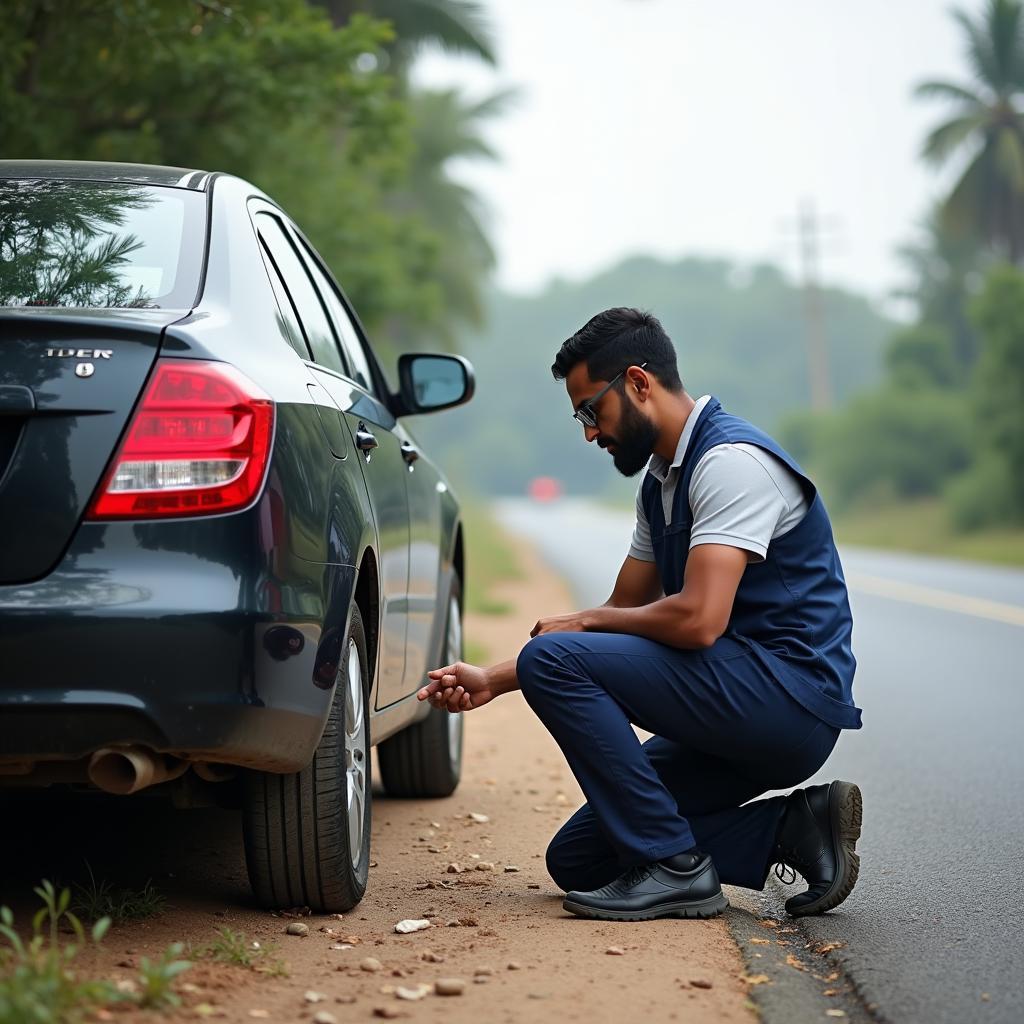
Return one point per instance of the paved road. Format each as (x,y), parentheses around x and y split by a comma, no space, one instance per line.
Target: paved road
(934,928)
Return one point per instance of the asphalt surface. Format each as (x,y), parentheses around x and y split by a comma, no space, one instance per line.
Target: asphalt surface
(933,931)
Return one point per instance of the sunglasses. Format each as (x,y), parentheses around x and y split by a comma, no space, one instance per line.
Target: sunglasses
(585,414)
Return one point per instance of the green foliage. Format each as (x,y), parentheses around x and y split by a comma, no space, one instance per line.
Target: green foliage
(986,128)
(891,445)
(921,357)
(95,900)
(236,948)
(156,978)
(984,496)
(998,389)
(271,90)
(37,982)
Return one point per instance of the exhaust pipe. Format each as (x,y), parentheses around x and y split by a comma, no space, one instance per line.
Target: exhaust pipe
(126,770)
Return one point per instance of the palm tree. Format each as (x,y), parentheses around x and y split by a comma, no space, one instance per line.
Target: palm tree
(988,125)
(458,26)
(447,127)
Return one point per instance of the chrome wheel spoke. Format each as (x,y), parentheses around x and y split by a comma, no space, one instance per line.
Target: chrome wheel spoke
(355,752)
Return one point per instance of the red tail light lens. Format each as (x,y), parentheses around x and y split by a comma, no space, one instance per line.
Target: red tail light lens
(198,444)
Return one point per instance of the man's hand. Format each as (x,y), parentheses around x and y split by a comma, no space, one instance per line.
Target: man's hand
(574,622)
(458,687)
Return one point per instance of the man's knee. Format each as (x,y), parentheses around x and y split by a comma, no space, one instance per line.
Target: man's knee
(558,866)
(536,662)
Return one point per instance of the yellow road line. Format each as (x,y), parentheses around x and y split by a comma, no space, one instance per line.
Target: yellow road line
(930,597)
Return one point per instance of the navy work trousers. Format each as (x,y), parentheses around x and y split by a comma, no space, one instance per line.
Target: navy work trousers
(724,732)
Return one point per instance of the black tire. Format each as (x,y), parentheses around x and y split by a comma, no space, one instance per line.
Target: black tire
(302,844)
(425,759)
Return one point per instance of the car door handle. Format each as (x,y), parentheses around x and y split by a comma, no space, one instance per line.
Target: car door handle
(365,441)
(410,453)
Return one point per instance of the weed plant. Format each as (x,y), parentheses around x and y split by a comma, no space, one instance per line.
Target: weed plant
(236,948)
(96,900)
(38,982)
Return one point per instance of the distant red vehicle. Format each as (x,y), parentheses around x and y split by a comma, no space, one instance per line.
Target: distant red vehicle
(545,488)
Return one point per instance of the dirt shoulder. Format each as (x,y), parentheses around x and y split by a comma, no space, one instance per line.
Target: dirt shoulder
(500,930)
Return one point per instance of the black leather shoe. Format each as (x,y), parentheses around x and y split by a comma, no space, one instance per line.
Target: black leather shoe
(818,837)
(654,890)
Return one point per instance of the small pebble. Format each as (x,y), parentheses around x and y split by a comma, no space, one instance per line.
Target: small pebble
(700,983)
(313,996)
(412,994)
(324,1017)
(409,925)
(615,951)
(387,1012)
(454,869)
(481,980)
(260,1014)
(480,971)
(297,928)
(514,965)
(370,964)
(432,958)
(533,885)
(347,999)
(509,868)
(485,865)
(449,986)
(480,819)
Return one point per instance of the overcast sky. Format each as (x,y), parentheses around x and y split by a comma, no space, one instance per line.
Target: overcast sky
(696,126)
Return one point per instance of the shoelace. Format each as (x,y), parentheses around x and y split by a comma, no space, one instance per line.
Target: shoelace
(636,875)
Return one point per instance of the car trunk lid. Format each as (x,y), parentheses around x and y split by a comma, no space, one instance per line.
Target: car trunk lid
(69,380)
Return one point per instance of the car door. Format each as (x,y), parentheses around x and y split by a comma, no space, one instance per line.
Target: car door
(375,442)
(421,479)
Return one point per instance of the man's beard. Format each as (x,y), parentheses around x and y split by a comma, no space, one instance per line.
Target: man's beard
(635,443)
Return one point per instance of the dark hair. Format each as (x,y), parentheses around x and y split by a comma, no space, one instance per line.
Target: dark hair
(615,339)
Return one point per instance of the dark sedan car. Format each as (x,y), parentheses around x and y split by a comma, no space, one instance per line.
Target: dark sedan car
(225,563)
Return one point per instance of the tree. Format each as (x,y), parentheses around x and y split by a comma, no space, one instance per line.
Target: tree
(270,90)
(998,387)
(946,268)
(458,26)
(988,126)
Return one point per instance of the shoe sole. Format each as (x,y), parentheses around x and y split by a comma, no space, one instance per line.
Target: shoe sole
(711,907)
(846,809)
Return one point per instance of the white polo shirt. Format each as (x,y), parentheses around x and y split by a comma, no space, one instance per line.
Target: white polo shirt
(740,495)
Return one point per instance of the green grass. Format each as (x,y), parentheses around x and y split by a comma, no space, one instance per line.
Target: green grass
(236,948)
(39,983)
(490,559)
(100,899)
(924,527)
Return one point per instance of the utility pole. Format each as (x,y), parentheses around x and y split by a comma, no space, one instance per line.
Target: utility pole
(809,232)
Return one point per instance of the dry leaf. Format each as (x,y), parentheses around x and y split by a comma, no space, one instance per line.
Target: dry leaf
(755,979)
(793,962)
(761,942)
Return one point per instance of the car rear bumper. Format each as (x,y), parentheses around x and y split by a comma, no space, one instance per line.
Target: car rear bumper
(216,656)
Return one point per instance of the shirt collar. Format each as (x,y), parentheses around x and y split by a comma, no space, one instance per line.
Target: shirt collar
(658,466)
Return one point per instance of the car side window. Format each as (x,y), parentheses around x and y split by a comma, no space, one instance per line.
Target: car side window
(308,306)
(289,322)
(350,340)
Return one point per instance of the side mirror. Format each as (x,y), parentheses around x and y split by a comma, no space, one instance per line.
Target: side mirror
(428,383)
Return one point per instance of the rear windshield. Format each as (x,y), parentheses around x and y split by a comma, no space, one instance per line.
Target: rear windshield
(89,244)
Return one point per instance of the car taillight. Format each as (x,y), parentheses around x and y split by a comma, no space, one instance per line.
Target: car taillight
(198,444)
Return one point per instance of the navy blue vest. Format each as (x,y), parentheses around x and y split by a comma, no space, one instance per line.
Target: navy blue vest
(792,609)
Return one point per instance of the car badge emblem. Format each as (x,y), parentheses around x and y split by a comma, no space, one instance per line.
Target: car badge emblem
(84,370)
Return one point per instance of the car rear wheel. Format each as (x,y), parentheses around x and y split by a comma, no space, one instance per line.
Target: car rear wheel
(307,834)
(425,760)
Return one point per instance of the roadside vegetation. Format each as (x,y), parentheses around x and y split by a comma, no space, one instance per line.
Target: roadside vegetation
(94,900)
(236,948)
(40,982)
(933,458)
